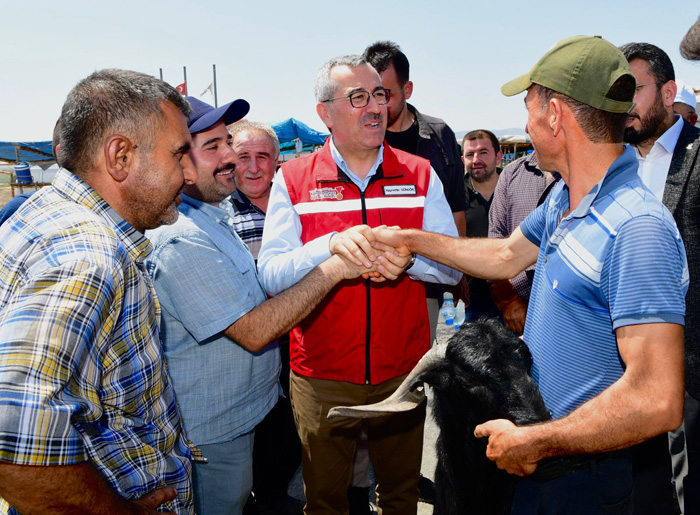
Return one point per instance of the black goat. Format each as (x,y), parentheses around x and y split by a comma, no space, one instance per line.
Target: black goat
(480,374)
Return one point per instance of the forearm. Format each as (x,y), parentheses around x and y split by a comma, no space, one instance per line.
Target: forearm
(479,257)
(617,418)
(281,268)
(60,489)
(647,400)
(278,315)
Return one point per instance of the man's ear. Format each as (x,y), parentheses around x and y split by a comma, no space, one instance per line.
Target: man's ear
(554,115)
(324,114)
(668,93)
(119,156)
(408,89)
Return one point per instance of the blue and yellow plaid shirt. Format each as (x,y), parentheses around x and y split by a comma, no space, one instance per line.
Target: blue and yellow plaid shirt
(82,375)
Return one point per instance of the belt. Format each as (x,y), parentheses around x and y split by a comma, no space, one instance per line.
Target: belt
(554,468)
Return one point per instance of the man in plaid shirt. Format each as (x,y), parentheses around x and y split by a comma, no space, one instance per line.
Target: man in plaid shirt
(88,418)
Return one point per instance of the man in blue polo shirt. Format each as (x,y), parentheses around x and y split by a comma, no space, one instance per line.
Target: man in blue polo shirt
(605,332)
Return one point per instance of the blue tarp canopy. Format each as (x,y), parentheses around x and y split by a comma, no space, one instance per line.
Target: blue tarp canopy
(27,151)
(291,130)
(288,132)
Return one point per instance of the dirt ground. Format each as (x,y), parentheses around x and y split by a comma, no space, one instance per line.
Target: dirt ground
(5,195)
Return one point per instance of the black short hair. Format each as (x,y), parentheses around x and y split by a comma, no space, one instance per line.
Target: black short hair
(482,134)
(381,54)
(660,65)
(110,101)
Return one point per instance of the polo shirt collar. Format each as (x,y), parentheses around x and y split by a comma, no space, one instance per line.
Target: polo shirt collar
(622,170)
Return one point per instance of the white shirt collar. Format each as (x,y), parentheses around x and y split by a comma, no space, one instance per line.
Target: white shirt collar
(669,138)
(362,184)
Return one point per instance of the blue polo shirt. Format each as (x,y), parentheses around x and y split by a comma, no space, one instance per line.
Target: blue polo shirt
(616,260)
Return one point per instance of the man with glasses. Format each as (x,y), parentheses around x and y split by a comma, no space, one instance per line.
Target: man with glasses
(668,151)
(358,345)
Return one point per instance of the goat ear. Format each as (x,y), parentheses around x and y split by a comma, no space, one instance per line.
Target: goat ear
(437,377)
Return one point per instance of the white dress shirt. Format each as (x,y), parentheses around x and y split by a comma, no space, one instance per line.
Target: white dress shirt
(653,169)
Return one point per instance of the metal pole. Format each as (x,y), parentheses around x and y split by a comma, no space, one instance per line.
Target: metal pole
(161,73)
(216,99)
(184,72)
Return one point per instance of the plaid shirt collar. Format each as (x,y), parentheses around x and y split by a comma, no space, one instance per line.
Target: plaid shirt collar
(74,188)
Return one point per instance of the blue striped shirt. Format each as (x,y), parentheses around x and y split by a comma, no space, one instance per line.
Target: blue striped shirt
(616,260)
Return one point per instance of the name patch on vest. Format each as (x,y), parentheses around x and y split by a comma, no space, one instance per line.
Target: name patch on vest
(400,189)
(327,193)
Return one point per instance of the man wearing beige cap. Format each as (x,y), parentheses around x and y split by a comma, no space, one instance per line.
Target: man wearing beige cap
(685,102)
(610,365)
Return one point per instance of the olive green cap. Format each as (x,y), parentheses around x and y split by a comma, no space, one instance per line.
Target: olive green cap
(583,68)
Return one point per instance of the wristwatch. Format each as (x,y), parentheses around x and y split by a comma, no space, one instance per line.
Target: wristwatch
(411,263)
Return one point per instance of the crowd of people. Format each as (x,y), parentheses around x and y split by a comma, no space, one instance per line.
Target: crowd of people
(178,316)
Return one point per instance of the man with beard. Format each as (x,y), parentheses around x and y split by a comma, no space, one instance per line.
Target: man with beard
(216,325)
(88,417)
(668,150)
(359,344)
(481,155)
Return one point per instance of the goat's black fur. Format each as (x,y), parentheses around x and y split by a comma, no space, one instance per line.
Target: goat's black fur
(484,376)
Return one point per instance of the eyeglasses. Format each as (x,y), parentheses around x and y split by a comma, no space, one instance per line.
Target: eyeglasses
(360,98)
(640,86)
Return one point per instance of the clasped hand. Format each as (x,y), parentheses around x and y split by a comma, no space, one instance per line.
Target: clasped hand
(374,259)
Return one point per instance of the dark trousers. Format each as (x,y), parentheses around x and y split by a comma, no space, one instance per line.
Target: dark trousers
(651,470)
(602,487)
(277,448)
(685,456)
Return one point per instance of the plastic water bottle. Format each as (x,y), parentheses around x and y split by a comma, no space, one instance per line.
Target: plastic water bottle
(447,311)
(459,314)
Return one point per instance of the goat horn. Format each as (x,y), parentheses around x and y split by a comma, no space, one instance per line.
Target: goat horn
(407,396)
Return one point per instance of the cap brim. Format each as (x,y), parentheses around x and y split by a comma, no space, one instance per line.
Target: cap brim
(517,85)
(229,113)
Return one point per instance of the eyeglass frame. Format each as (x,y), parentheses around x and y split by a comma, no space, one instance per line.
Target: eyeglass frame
(639,86)
(386,91)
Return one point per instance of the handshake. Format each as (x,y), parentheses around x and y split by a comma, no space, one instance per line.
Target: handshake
(376,254)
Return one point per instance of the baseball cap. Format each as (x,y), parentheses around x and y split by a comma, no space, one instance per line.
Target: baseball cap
(204,116)
(685,94)
(581,67)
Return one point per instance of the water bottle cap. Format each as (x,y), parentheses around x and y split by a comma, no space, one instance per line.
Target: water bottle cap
(448,295)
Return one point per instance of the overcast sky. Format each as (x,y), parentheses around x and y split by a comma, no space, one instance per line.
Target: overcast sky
(268,52)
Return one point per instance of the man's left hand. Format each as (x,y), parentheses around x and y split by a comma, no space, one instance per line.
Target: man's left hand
(508,446)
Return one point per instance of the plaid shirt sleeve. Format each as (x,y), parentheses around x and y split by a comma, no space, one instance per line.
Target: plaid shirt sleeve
(49,370)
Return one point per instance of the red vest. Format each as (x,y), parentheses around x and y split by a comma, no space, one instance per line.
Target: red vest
(362,332)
